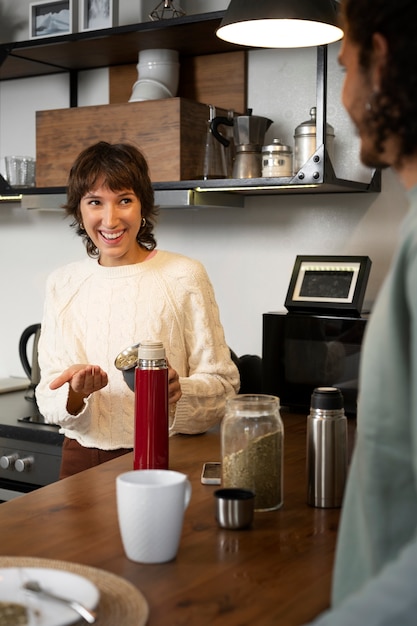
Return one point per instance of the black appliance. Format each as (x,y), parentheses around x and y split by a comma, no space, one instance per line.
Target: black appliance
(301,351)
(30,450)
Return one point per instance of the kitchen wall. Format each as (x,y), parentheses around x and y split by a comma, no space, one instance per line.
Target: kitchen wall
(249,253)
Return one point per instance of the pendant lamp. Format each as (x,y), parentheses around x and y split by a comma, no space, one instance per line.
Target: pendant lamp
(281,23)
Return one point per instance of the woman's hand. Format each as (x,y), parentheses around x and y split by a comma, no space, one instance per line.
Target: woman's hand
(83,381)
(174,387)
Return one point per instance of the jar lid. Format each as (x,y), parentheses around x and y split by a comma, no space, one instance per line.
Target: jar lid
(308,127)
(276,146)
(327,398)
(151,350)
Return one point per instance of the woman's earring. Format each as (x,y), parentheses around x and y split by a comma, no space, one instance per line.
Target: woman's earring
(369,106)
(82,226)
(143,223)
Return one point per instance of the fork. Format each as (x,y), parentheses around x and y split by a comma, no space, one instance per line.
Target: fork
(86,614)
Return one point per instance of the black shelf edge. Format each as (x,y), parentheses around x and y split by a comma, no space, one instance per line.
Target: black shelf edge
(246,186)
(190,35)
(138,27)
(270,186)
(316,176)
(38,191)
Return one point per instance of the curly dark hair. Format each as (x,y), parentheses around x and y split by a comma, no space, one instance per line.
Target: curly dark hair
(393,110)
(121,166)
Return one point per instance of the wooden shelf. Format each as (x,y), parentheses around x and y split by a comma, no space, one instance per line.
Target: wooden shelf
(192,36)
(316,176)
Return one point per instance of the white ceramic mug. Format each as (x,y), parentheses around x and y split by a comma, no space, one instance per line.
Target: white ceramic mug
(150,508)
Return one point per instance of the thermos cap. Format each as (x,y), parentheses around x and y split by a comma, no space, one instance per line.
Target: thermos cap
(327,398)
(151,350)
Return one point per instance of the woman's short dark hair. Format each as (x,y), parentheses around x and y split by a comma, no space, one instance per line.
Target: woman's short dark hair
(120,166)
(393,109)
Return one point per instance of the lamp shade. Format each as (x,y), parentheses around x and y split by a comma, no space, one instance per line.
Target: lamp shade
(281,23)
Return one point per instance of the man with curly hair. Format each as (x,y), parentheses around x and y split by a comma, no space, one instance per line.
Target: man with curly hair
(375,572)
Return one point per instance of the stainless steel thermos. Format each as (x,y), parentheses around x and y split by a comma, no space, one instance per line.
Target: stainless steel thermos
(326,448)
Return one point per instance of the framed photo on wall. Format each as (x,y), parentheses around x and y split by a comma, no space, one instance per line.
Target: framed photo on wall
(53,18)
(97,14)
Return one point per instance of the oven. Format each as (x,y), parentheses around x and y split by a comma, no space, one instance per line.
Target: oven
(30,450)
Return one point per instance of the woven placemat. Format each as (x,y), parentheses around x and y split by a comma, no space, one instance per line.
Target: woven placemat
(121,604)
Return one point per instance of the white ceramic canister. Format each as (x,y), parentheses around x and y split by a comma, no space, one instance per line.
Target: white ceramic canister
(276,160)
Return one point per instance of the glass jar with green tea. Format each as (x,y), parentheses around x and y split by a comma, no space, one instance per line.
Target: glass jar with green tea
(252,447)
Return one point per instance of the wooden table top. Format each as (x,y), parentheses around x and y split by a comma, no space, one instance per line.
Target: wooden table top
(278,572)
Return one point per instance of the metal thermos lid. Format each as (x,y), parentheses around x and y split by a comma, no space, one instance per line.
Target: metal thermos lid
(277,147)
(151,350)
(128,358)
(327,399)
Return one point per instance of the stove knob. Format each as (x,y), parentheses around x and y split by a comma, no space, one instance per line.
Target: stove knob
(24,465)
(7,462)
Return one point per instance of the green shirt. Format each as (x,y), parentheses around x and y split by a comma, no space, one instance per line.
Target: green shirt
(375,577)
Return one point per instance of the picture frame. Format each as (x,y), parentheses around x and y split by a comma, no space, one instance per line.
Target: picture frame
(328,284)
(53,18)
(98,14)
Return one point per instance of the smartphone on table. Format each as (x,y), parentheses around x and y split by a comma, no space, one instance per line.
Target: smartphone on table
(211,473)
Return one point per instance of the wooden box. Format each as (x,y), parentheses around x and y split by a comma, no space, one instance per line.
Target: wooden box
(170,132)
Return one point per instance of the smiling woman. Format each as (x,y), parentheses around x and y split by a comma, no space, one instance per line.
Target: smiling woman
(125,292)
(119,173)
(111,220)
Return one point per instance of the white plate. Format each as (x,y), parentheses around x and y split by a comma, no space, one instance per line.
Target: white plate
(42,611)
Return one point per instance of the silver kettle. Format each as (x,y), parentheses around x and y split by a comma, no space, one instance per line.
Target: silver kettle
(32,369)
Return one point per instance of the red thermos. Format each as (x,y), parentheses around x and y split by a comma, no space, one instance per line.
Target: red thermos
(151,407)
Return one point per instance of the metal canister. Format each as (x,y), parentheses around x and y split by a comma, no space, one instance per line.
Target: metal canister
(305,140)
(248,161)
(326,448)
(276,160)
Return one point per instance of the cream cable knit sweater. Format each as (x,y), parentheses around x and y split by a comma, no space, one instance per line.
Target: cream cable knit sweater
(92,313)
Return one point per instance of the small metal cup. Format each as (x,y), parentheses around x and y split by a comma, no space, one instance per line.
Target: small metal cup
(234,508)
